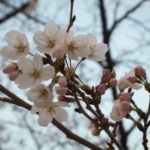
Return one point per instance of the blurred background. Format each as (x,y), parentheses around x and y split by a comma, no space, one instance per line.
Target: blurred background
(123,24)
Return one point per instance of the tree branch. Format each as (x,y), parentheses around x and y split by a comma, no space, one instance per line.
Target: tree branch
(129,12)
(14,12)
(18,101)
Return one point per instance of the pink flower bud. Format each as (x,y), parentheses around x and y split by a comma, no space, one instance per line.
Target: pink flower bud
(117,114)
(125,97)
(140,72)
(112,82)
(113,74)
(14,74)
(125,106)
(62,81)
(9,68)
(101,88)
(61,90)
(106,76)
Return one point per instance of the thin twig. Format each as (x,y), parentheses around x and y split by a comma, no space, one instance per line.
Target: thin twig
(18,101)
(71,18)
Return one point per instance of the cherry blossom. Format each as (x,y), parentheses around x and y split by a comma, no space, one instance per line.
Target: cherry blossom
(50,39)
(53,110)
(33,72)
(97,50)
(77,46)
(17,47)
(123,83)
(40,95)
(120,110)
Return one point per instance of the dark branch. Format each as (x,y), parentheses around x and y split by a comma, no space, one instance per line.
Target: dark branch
(129,12)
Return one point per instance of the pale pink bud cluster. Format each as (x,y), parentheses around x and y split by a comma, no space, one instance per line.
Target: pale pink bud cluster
(108,80)
(109,77)
(12,71)
(62,89)
(121,107)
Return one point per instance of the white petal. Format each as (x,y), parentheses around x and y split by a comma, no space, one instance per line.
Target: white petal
(26,65)
(48,72)
(24,81)
(44,49)
(61,104)
(72,55)
(35,109)
(37,62)
(61,35)
(92,39)
(32,95)
(11,37)
(83,50)
(10,52)
(40,38)
(135,86)
(50,29)
(60,115)
(21,38)
(44,118)
(70,37)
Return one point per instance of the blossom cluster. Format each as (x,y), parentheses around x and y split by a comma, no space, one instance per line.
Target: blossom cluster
(56,49)
(28,73)
(132,80)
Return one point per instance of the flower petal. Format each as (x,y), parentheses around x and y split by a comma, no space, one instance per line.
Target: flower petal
(60,115)
(50,29)
(44,117)
(24,81)
(35,109)
(25,65)
(10,52)
(37,62)
(11,37)
(48,72)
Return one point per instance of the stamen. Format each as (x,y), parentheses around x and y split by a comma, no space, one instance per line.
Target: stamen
(35,74)
(43,94)
(51,42)
(20,47)
(72,46)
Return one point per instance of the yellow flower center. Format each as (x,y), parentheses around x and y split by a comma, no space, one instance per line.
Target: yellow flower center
(51,42)
(72,46)
(35,74)
(20,47)
(43,94)
(51,110)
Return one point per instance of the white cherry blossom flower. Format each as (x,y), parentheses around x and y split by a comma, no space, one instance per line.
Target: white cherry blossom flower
(76,46)
(40,95)
(97,50)
(50,39)
(17,47)
(33,72)
(53,110)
